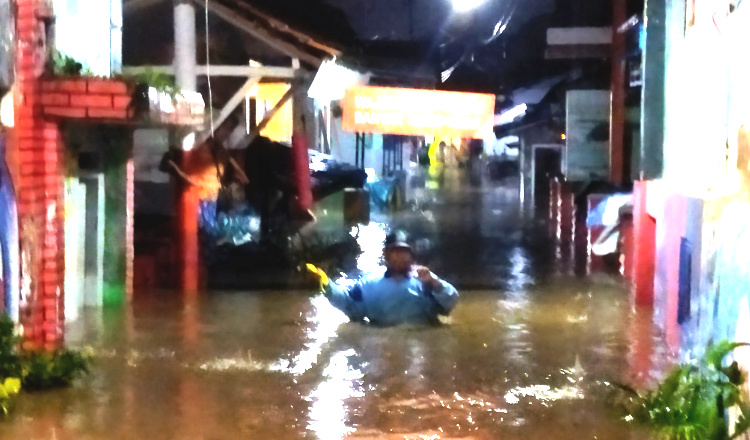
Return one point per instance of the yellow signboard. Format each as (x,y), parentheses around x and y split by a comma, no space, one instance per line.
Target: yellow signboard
(414,112)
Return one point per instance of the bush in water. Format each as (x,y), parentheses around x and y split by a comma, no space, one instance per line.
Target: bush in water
(34,370)
(694,400)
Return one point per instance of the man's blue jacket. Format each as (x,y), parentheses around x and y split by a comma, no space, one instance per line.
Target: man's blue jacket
(385,300)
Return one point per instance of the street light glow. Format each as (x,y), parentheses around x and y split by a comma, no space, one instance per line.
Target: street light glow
(466,5)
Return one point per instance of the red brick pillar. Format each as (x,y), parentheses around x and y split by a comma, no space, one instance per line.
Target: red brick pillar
(40,194)
(188,247)
(644,247)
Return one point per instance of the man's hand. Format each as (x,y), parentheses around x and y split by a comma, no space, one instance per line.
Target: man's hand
(426,276)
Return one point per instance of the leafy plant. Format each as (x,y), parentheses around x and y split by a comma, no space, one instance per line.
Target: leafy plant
(10,364)
(36,370)
(44,370)
(161,82)
(692,402)
(10,361)
(65,65)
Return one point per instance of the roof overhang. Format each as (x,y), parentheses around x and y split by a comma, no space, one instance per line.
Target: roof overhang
(272,31)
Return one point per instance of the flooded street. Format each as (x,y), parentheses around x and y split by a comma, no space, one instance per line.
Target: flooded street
(529,353)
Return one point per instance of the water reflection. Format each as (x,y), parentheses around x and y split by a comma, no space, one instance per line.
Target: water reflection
(519,266)
(505,367)
(323,322)
(532,357)
(328,412)
(370,238)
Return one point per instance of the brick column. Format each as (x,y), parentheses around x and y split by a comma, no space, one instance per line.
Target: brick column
(40,194)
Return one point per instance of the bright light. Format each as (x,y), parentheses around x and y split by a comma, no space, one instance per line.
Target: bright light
(466,5)
(332,80)
(189,142)
(510,115)
(7,115)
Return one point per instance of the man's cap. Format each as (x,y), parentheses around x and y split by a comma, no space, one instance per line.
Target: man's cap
(397,239)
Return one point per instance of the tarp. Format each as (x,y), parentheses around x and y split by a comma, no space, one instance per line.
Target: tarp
(607,212)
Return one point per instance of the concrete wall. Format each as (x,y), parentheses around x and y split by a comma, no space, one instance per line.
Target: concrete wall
(586,153)
(706,197)
(704,202)
(343,148)
(679,226)
(153,191)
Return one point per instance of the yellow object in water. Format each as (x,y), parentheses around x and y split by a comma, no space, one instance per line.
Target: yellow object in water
(320,273)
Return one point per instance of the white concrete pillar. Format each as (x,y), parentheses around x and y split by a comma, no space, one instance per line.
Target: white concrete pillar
(185,45)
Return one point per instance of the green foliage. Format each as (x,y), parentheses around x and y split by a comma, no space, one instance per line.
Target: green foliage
(44,370)
(161,82)
(10,362)
(64,65)
(691,403)
(34,370)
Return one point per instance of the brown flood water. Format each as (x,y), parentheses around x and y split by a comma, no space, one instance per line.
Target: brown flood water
(530,364)
(527,354)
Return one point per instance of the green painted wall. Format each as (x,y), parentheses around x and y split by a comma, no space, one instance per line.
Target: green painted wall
(116,150)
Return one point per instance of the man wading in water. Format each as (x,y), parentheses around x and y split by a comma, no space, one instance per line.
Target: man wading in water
(401,293)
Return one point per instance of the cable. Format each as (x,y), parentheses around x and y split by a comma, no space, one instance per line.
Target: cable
(208,76)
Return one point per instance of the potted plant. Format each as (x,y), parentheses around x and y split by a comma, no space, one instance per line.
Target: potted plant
(158,100)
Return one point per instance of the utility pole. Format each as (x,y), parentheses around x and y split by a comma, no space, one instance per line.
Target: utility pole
(187,249)
(185,45)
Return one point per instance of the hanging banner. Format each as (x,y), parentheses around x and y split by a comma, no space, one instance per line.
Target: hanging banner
(414,112)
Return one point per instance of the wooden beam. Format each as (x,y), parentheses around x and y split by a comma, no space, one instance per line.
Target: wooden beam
(283,27)
(232,104)
(220,70)
(247,140)
(231,17)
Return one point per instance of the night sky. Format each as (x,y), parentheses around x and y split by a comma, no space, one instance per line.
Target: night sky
(390,19)
(455,42)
